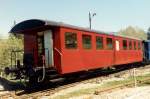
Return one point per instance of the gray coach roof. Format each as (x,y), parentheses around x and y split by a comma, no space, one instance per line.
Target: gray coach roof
(38,23)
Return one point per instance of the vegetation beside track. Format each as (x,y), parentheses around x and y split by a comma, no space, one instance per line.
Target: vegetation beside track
(12,43)
(90,86)
(142,80)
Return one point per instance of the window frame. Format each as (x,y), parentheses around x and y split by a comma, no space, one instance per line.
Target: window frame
(130,45)
(139,45)
(125,47)
(83,42)
(76,41)
(99,47)
(112,45)
(135,43)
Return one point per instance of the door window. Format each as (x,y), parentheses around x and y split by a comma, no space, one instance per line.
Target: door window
(117,45)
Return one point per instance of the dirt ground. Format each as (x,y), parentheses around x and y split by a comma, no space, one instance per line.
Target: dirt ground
(125,93)
(86,90)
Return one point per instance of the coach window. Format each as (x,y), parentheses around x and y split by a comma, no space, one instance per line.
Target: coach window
(130,45)
(70,40)
(125,44)
(109,43)
(135,45)
(99,42)
(86,41)
(139,45)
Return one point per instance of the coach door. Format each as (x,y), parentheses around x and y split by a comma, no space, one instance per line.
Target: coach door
(45,47)
(48,45)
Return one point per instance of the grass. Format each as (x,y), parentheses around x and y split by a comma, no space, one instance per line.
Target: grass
(77,93)
(126,81)
(104,86)
(100,87)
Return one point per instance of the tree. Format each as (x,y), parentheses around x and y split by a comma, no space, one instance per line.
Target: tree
(148,34)
(7,46)
(133,32)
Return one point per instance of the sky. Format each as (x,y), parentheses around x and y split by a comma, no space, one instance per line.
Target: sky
(111,15)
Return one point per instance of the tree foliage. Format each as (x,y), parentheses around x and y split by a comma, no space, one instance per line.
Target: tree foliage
(133,32)
(148,34)
(7,46)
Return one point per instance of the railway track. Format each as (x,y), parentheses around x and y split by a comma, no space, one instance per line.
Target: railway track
(50,91)
(129,84)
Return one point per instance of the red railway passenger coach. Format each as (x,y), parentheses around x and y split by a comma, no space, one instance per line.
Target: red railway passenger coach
(67,49)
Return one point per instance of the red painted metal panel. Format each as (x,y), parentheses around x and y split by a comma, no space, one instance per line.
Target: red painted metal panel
(57,49)
(74,60)
(127,56)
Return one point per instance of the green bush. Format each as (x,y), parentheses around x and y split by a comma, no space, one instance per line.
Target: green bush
(8,45)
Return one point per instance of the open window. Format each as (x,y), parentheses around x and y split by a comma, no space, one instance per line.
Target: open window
(70,40)
(86,41)
(139,45)
(124,44)
(130,45)
(99,42)
(134,45)
(109,43)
